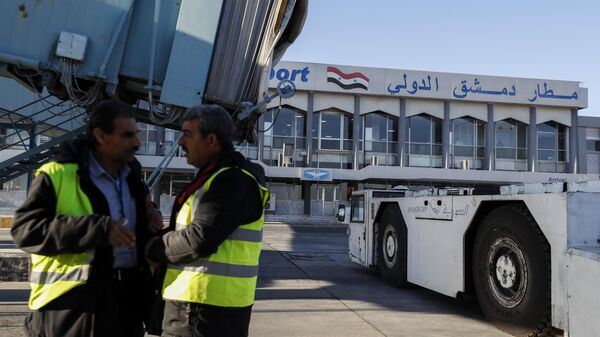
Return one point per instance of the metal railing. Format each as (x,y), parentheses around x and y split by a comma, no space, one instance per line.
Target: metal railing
(54,126)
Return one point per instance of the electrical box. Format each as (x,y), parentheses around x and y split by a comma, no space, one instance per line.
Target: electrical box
(72,46)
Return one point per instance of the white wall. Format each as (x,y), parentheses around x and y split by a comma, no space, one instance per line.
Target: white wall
(518,112)
(417,106)
(462,109)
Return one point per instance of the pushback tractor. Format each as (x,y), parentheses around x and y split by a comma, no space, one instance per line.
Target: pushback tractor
(530,253)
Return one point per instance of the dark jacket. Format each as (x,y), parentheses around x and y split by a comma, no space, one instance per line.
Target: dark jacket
(232,200)
(37,229)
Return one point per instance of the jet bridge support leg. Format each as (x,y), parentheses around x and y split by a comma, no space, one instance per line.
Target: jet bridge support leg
(32,136)
(160,138)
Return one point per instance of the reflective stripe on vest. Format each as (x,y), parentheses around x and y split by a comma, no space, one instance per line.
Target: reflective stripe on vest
(78,274)
(52,276)
(226,278)
(240,234)
(218,268)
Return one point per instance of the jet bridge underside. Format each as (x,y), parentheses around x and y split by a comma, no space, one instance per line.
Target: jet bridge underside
(170,54)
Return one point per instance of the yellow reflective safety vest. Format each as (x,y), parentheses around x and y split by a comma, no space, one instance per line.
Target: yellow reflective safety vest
(52,276)
(226,278)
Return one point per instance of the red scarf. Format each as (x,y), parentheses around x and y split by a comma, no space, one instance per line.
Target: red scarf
(194,186)
(190,189)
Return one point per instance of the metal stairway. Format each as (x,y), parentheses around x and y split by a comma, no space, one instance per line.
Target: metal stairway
(31,159)
(59,121)
(23,155)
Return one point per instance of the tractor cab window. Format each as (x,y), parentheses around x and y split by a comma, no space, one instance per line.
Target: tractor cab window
(358,209)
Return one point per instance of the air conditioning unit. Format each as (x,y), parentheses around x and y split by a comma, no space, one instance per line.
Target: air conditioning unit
(270,206)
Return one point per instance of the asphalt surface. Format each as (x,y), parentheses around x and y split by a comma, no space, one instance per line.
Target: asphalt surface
(307,288)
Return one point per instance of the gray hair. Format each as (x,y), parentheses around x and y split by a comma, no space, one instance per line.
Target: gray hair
(212,118)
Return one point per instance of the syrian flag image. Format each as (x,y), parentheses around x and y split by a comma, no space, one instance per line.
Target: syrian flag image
(347,81)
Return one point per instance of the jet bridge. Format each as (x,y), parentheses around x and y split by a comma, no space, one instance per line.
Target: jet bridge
(161,56)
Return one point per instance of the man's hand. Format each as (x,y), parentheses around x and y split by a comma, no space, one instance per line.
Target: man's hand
(155,222)
(119,235)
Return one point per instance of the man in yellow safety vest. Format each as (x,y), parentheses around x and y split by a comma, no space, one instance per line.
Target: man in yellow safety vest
(213,252)
(85,221)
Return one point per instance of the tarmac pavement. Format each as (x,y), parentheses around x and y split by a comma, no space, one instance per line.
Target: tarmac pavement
(307,288)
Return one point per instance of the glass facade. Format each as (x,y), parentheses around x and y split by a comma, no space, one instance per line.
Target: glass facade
(511,145)
(468,143)
(552,147)
(284,137)
(335,130)
(380,139)
(424,145)
(149,140)
(332,133)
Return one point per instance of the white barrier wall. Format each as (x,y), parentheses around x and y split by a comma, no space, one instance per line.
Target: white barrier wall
(583,275)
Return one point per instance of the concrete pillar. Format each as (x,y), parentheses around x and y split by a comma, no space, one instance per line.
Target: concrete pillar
(308,127)
(360,186)
(160,137)
(581,150)
(573,166)
(446,136)
(401,132)
(532,154)
(490,140)
(343,190)
(306,195)
(356,133)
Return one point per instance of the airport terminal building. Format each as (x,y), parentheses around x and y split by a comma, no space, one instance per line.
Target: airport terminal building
(350,127)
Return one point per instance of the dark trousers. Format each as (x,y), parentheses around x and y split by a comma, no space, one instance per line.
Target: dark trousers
(131,309)
(109,306)
(183,319)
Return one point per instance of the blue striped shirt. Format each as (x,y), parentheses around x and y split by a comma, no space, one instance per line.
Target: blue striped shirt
(121,204)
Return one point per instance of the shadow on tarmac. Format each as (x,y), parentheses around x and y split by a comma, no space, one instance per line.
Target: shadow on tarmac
(314,264)
(13,295)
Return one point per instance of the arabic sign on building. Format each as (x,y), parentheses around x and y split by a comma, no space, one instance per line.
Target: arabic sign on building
(317,175)
(424,84)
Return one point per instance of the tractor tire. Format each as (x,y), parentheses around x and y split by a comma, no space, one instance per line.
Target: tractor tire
(511,272)
(392,247)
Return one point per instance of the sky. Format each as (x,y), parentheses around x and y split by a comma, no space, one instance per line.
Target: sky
(544,39)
